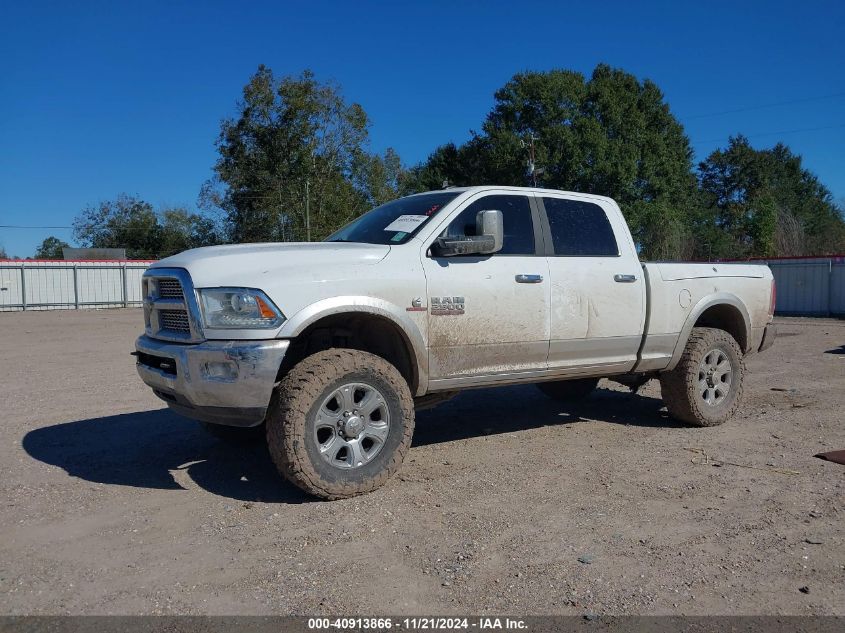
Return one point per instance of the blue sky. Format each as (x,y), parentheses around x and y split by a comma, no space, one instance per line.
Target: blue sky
(99,98)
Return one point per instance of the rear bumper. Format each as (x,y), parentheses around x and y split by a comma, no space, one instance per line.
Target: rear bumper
(223,382)
(769,336)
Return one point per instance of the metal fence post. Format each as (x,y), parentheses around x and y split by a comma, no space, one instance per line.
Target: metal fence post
(75,287)
(23,286)
(829,285)
(125,288)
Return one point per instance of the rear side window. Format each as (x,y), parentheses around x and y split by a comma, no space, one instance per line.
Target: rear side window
(580,229)
(516,219)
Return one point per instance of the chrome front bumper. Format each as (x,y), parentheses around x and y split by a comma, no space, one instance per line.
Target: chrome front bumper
(224,382)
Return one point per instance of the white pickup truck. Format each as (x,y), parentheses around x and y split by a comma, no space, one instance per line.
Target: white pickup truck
(331,346)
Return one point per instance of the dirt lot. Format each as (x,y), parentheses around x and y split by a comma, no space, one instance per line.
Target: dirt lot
(508,503)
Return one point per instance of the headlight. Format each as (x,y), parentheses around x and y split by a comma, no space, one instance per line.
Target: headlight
(239,309)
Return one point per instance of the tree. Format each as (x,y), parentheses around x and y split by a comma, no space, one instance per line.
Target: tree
(126,222)
(293,164)
(51,248)
(3,253)
(131,223)
(448,165)
(611,135)
(380,178)
(764,203)
(182,230)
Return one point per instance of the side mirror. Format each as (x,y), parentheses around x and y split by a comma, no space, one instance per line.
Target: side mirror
(491,224)
(489,237)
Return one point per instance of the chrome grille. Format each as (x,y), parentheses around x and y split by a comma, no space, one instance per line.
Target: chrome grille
(170,308)
(169,288)
(174,320)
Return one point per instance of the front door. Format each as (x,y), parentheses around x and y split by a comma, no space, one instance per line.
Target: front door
(489,314)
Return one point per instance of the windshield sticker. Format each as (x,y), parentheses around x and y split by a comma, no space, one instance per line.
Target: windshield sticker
(398,237)
(406,223)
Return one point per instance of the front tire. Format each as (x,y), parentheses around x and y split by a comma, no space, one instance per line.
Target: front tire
(705,387)
(340,423)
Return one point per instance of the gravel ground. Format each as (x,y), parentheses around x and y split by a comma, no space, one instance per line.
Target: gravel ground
(508,502)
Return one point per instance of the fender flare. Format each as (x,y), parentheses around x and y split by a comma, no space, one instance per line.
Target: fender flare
(711,300)
(409,331)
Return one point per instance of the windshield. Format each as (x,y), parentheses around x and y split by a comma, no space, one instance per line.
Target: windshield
(395,222)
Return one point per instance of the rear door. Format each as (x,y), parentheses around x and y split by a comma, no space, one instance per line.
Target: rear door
(597,286)
(490,314)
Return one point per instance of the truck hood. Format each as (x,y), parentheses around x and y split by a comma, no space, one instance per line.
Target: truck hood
(246,265)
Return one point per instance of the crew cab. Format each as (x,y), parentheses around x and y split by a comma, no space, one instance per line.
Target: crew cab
(327,348)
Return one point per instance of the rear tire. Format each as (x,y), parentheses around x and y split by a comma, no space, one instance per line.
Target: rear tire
(705,387)
(340,423)
(569,390)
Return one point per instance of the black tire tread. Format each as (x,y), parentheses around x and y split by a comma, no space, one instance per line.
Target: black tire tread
(679,386)
(294,397)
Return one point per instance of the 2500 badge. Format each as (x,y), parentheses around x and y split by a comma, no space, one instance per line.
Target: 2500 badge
(446,306)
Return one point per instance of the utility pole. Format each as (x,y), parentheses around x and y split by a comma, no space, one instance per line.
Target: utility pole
(308,196)
(281,212)
(533,170)
(308,209)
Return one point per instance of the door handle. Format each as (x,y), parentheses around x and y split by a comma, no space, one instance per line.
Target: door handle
(624,279)
(529,279)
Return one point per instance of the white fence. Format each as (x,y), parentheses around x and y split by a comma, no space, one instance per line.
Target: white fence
(808,286)
(63,285)
(813,286)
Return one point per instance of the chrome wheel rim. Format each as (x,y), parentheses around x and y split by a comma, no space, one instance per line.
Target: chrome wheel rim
(352,425)
(714,377)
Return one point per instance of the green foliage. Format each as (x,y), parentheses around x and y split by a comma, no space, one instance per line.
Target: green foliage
(130,223)
(379,178)
(610,135)
(181,230)
(447,165)
(764,203)
(295,144)
(763,224)
(293,164)
(51,248)
(126,222)
(614,135)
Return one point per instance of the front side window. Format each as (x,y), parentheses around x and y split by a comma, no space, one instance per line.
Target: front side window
(580,229)
(516,217)
(395,222)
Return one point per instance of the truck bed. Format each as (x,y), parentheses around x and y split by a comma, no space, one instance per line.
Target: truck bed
(678,294)
(675,271)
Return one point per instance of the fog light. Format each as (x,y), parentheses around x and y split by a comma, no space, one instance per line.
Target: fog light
(221,370)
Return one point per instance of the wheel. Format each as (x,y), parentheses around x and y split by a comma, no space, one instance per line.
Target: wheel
(235,435)
(705,387)
(569,390)
(340,423)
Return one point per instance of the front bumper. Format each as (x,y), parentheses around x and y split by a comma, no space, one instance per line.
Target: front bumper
(223,382)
